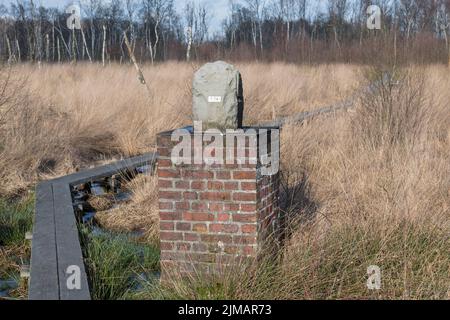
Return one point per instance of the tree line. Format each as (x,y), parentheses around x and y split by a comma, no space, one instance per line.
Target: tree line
(299,31)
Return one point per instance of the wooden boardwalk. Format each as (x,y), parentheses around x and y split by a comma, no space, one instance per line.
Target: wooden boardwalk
(56,244)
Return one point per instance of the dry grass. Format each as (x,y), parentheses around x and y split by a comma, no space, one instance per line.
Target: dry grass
(67,117)
(371,186)
(139,214)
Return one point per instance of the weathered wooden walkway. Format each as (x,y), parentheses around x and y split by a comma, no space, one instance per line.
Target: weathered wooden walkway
(56,244)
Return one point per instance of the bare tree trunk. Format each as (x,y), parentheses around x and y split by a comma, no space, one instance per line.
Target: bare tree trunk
(74,52)
(9,49)
(19,55)
(260,38)
(93,39)
(155,45)
(446,45)
(104,45)
(288,31)
(336,39)
(53,40)
(85,45)
(189,47)
(138,69)
(47,47)
(59,51)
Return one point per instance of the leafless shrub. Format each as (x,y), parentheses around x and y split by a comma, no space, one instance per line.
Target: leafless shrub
(395,110)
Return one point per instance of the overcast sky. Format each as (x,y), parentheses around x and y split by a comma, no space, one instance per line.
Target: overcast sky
(218,8)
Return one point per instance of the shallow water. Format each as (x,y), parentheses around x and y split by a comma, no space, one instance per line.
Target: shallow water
(112,191)
(88,217)
(123,196)
(6,286)
(98,189)
(144,170)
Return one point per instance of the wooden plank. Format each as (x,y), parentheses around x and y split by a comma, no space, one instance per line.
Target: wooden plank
(56,244)
(68,244)
(109,170)
(44,283)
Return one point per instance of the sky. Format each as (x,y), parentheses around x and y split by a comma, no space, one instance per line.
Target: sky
(219,8)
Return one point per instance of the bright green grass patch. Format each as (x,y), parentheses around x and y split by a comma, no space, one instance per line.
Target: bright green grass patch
(117,264)
(15,220)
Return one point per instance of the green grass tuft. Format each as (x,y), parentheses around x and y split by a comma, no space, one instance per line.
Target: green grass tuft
(115,262)
(15,220)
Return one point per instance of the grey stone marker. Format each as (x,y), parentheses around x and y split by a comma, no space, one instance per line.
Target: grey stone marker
(218,96)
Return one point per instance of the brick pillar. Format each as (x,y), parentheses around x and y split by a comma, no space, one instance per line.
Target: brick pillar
(211,215)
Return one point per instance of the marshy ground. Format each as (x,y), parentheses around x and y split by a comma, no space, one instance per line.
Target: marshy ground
(365,187)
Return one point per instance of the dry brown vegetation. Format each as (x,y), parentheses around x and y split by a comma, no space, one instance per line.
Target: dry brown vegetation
(371,186)
(70,116)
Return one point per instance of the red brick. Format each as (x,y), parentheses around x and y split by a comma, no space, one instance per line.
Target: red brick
(164,225)
(183,226)
(249,250)
(249,228)
(223,175)
(244,175)
(199,227)
(242,196)
(244,239)
(215,196)
(170,195)
(227,228)
(199,206)
(165,183)
(169,216)
(231,186)
(223,217)
(215,185)
(165,206)
(166,173)
(216,207)
(191,237)
(198,174)
(171,236)
(166,245)
(172,255)
(164,152)
(199,247)
(248,186)
(164,140)
(183,246)
(248,207)
(190,195)
(216,238)
(231,249)
(182,184)
(164,163)
(231,207)
(202,257)
(198,216)
(182,205)
(244,217)
(197,185)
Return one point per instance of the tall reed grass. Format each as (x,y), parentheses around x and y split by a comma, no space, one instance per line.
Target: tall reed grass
(366,187)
